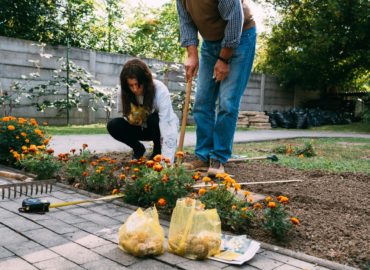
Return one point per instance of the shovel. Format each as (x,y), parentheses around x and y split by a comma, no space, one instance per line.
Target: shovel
(273,158)
(185,114)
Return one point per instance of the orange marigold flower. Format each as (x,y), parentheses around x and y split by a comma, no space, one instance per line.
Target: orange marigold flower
(158,167)
(98,171)
(257,206)
(93,163)
(234,207)
(122,176)
(150,163)
(17,137)
(157,158)
(115,191)
(6,119)
(33,148)
(11,127)
(84,146)
(271,205)
(24,147)
(49,151)
(44,123)
(21,120)
(180,154)
(196,176)
(244,208)
(167,160)
(41,147)
(206,179)
(213,187)
(136,170)
(219,175)
(83,161)
(127,168)
(236,186)
(24,134)
(46,141)
(27,140)
(133,176)
(165,178)
(72,150)
(202,191)
(246,193)
(162,202)
(295,221)
(84,174)
(283,199)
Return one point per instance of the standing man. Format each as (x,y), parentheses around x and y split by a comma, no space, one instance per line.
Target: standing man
(226,57)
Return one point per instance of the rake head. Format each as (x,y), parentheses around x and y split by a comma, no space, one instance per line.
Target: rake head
(26,188)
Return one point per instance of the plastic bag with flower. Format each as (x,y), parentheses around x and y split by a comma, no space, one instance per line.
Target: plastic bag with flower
(194,233)
(142,235)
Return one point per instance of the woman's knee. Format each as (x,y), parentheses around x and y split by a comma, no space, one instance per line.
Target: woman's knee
(115,124)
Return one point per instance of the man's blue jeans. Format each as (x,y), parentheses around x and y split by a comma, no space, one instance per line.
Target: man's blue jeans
(215,133)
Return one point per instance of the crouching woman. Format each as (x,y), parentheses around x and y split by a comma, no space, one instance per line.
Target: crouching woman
(147,113)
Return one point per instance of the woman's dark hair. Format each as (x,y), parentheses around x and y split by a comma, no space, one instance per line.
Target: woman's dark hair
(136,69)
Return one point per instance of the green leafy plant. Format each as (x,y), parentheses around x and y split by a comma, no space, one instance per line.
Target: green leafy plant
(306,151)
(77,164)
(17,134)
(43,164)
(276,218)
(146,183)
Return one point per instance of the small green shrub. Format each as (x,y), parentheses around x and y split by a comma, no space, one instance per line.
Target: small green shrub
(44,165)
(18,133)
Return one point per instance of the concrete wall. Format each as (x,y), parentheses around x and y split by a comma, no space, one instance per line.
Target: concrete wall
(263,92)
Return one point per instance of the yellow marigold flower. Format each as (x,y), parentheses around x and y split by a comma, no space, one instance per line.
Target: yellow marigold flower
(136,170)
(180,154)
(257,206)
(32,148)
(236,186)
(219,175)
(271,205)
(133,176)
(250,199)
(268,198)
(244,208)
(295,221)
(214,187)
(206,179)
(98,171)
(301,156)
(202,191)
(162,202)
(24,147)
(234,207)
(157,158)
(115,191)
(27,140)
(41,147)
(11,127)
(246,193)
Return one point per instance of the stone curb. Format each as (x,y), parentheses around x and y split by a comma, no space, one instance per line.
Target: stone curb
(293,254)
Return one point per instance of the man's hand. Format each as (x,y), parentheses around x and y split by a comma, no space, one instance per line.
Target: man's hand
(191,63)
(220,71)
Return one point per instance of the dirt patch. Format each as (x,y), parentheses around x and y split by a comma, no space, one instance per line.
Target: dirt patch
(333,209)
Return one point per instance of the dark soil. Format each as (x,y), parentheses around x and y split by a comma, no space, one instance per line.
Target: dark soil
(333,209)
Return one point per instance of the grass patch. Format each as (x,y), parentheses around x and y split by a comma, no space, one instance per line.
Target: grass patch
(333,154)
(77,129)
(353,127)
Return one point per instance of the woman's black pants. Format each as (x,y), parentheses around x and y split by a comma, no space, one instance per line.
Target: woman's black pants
(121,130)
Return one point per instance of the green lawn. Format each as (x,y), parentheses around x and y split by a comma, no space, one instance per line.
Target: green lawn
(101,129)
(333,154)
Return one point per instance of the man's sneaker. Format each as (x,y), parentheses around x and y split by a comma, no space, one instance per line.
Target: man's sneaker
(215,167)
(197,164)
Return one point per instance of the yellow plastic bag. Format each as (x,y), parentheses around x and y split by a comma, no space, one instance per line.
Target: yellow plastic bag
(194,233)
(142,235)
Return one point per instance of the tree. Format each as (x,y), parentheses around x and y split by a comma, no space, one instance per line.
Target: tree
(320,45)
(156,38)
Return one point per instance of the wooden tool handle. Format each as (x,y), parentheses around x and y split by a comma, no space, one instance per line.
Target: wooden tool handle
(185,114)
